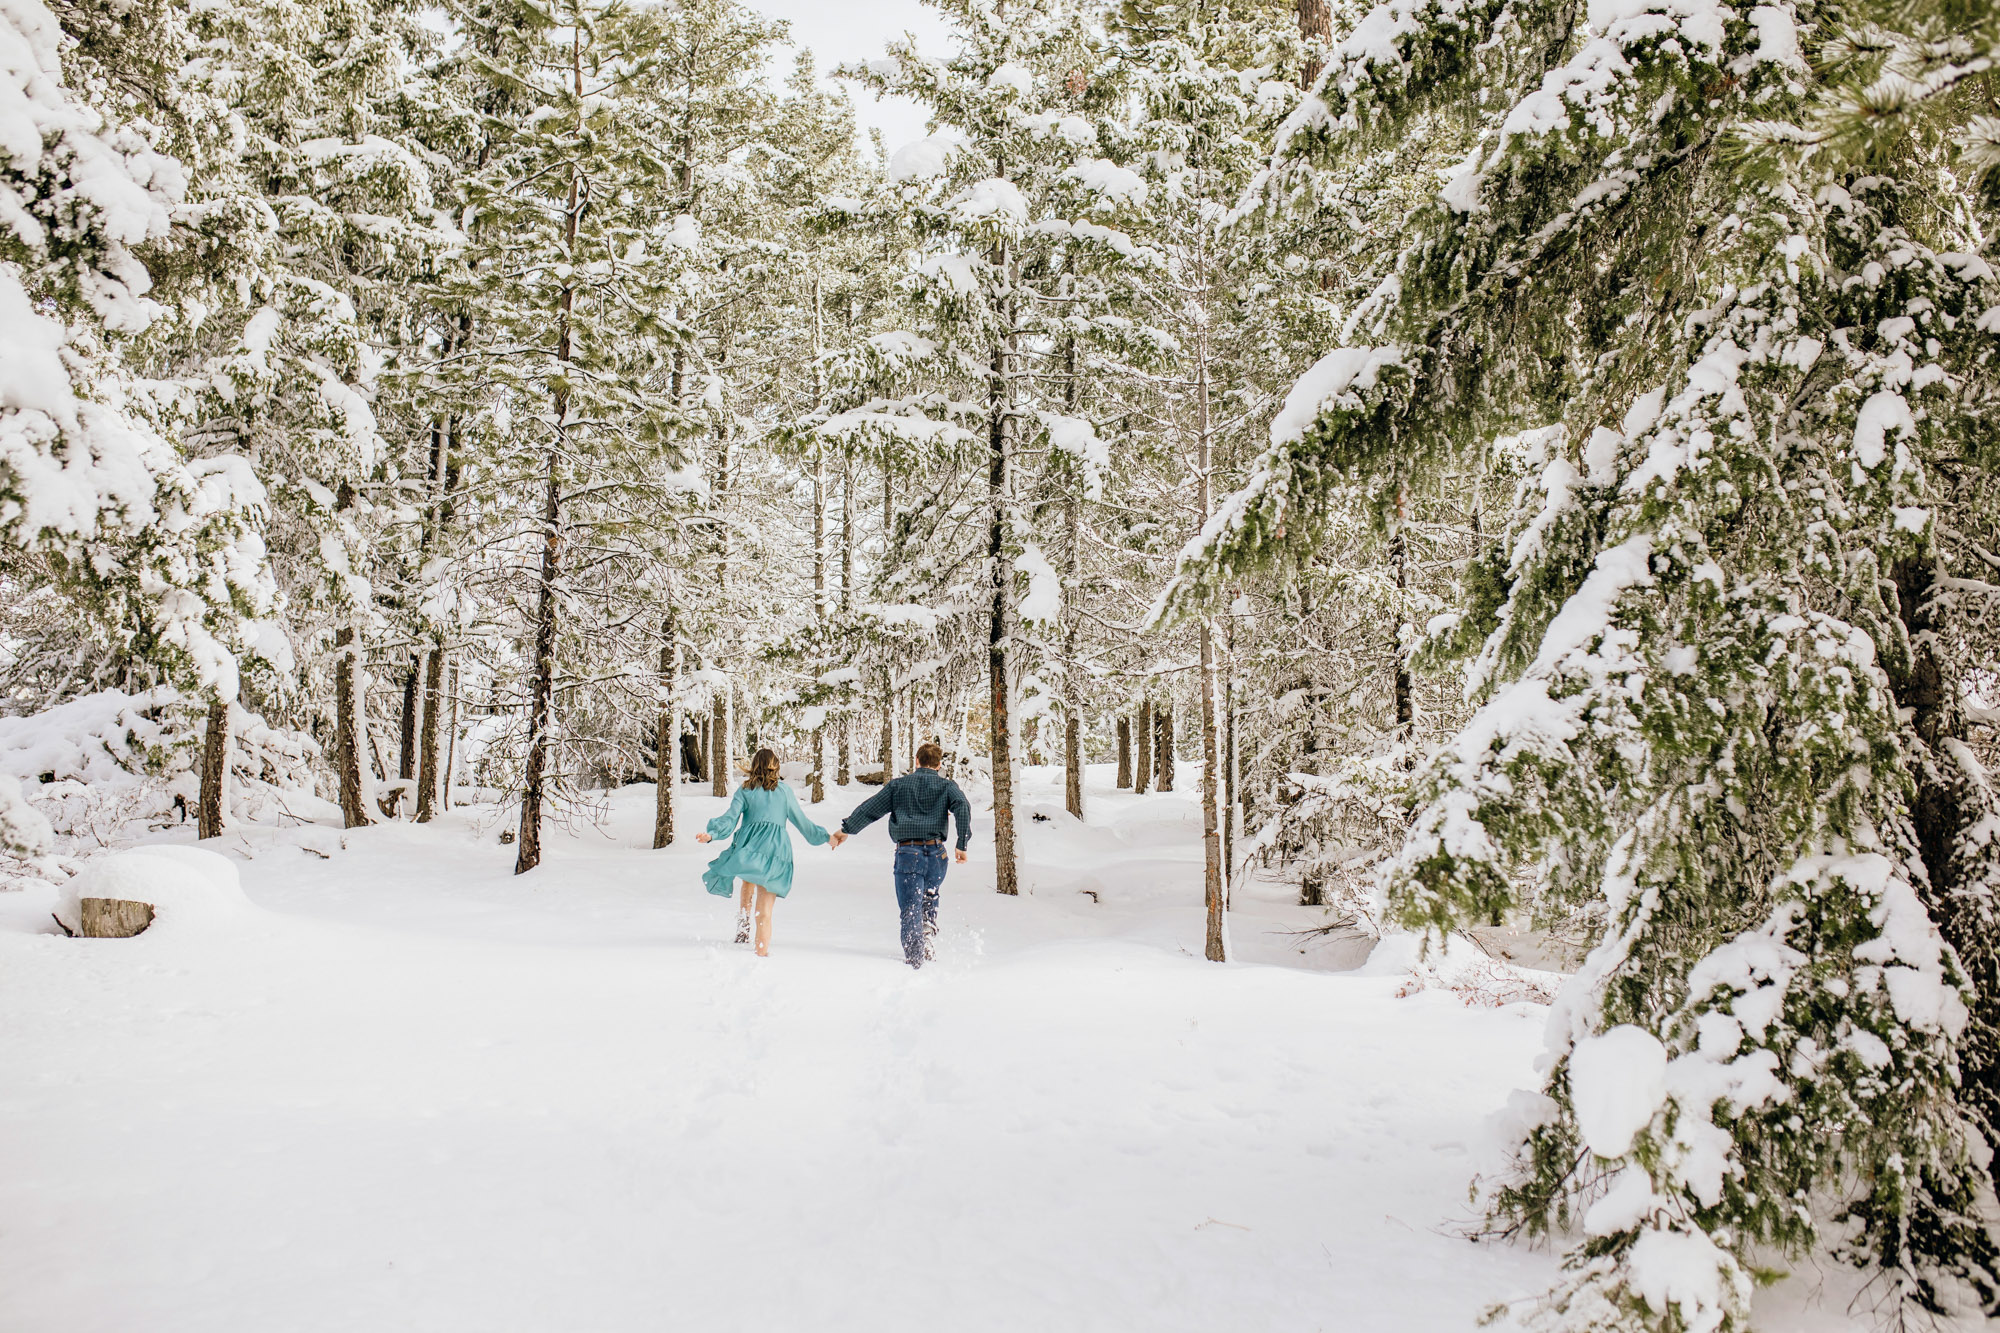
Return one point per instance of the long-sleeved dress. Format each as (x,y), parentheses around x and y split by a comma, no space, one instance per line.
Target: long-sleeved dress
(759,850)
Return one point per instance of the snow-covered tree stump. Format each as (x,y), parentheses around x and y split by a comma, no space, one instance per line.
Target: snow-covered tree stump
(114,918)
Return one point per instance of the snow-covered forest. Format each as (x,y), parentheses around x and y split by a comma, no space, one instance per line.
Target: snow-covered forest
(1414,524)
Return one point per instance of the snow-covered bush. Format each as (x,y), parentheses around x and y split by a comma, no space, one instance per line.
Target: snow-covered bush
(102,768)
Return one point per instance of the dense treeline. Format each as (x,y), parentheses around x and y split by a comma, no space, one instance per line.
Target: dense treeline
(1534,462)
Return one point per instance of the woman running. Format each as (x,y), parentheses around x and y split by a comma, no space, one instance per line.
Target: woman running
(759,851)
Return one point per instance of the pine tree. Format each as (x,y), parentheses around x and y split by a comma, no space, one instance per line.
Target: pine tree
(1714,377)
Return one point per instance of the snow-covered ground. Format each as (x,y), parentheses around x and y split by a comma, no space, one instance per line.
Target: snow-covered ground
(414,1092)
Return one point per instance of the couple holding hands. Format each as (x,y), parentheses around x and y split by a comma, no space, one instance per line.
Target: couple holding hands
(760,850)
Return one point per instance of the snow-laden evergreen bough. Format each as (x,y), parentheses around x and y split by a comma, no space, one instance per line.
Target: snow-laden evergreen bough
(162,548)
(1708,678)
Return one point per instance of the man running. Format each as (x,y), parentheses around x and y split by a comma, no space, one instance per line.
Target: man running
(916,804)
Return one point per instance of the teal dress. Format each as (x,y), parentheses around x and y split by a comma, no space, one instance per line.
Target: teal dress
(760,850)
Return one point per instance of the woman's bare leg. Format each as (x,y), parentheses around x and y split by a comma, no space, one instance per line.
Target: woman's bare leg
(743,907)
(766,900)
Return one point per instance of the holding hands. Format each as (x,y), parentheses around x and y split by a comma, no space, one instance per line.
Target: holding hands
(833,843)
(702,837)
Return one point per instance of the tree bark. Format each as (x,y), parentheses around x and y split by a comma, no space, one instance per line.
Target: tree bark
(450,743)
(1142,772)
(999,639)
(541,698)
(1072,580)
(1124,753)
(427,744)
(718,745)
(406,725)
(541,702)
(845,725)
(1405,693)
(822,608)
(667,731)
(211,812)
(347,731)
(1946,803)
(1316,26)
(1216,945)
(1216,949)
(1163,747)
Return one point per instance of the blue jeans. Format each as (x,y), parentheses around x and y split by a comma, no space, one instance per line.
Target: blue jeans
(919,872)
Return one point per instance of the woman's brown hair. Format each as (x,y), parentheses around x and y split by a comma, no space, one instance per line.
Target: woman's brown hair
(764,770)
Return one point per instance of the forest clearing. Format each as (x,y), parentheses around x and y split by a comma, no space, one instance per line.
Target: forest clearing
(1289,664)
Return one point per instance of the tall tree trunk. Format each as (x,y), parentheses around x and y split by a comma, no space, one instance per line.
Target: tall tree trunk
(999,638)
(406,729)
(541,701)
(721,747)
(1216,947)
(1124,753)
(1399,557)
(1143,771)
(1948,802)
(347,730)
(542,690)
(718,745)
(427,744)
(845,725)
(1232,776)
(667,731)
(822,607)
(888,725)
(1072,579)
(212,810)
(1163,747)
(450,742)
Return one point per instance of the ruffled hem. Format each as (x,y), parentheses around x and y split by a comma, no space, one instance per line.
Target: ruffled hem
(760,853)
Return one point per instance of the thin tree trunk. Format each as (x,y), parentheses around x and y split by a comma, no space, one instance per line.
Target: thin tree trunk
(718,747)
(1142,772)
(1163,747)
(822,608)
(1072,579)
(1232,776)
(347,731)
(845,726)
(541,702)
(999,639)
(888,726)
(407,724)
(1399,557)
(427,741)
(1124,753)
(450,742)
(212,810)
(1216,947)
(667,731)
(541,698)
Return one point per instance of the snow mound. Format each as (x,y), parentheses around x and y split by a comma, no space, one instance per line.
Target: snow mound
(1617,1081)
(190,889)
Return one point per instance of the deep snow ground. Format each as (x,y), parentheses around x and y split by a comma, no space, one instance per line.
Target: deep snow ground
(416,1092)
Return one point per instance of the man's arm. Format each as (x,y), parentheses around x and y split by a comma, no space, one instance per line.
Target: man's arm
(868,811)
(961,810)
